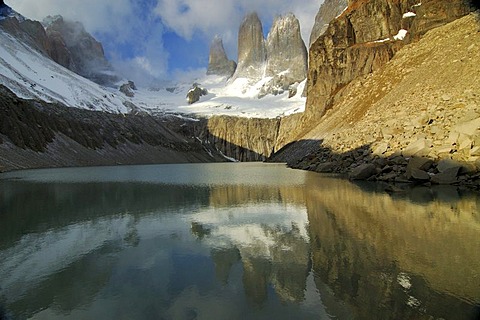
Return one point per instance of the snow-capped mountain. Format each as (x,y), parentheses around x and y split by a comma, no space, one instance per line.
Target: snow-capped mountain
(30,73)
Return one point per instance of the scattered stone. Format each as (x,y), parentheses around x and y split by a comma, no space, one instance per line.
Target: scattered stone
(418,164)
(419,175)
(469,128)
(419,148)
(363,171)
(325,167)
(380,149)
(445,164)
(448,176)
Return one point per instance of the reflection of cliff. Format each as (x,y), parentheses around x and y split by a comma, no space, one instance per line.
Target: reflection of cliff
(273,254)
(393,259)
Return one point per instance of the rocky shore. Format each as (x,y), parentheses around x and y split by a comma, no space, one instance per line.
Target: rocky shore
(415,120)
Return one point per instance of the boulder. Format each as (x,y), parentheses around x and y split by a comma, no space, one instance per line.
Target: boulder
(449,176)
(419,175)
(195,93)
(419,148)
(363,172)
(418,164)
(446,164)
(128,89)
(326,167)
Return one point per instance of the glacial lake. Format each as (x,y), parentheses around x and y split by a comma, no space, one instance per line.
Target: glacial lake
(232,241)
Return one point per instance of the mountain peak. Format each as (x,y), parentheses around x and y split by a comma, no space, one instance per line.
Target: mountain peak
(7,12)
(218,62)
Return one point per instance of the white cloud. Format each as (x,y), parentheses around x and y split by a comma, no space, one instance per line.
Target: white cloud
(130,33)
(122,24)
(210,17)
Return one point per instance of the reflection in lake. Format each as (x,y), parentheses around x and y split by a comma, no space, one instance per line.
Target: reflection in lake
(232,241)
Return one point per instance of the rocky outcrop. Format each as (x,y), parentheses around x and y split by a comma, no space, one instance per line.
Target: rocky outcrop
(218,62)
(128,89)
(364,38)
(244,139)
(421,104)
(286,51)
(287,57)
(328,11)
(195,93)
(74,48)
(252,53)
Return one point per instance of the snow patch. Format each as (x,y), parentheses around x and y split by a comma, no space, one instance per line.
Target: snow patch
(400,35)
(409,15)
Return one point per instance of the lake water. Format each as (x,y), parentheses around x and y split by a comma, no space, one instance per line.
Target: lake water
(233,241)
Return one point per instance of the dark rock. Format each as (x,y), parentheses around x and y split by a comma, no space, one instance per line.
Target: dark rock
(419,175)
(76,49)
(128,89)
(325,167)
(363,172)
(446,164)
(418,164)
(449,176)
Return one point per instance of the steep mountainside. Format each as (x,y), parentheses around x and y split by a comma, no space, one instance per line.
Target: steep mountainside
(424,103)
(74,48)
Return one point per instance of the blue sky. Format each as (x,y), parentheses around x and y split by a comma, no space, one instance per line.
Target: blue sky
(149,39)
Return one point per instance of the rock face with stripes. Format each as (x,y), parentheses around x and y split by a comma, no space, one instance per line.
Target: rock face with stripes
(252,53)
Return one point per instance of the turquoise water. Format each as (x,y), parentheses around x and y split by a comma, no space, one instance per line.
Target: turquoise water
(232,241)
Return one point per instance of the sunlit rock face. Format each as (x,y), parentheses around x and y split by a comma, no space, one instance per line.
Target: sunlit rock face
(252,53)
(287,57)
(218,62)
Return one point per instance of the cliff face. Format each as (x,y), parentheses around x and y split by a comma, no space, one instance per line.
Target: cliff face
(218,62)
(421,104)
(35,134)
(327,12)
(244,139)
(364,38)
(74,48)
(286,50)
(252,53)
(286,56)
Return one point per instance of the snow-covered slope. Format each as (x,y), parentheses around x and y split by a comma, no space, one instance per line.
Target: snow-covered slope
(32,75)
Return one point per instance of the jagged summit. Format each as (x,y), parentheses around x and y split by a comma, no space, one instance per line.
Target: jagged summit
(252,52)
(74,48)
(275,64)
(218,62)
(287,57)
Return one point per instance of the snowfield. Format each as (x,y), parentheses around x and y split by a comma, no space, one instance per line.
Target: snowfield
(31,75)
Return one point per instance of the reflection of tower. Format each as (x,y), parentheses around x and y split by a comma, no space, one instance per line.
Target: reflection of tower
(224,260)
(256,271)
(291,265)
